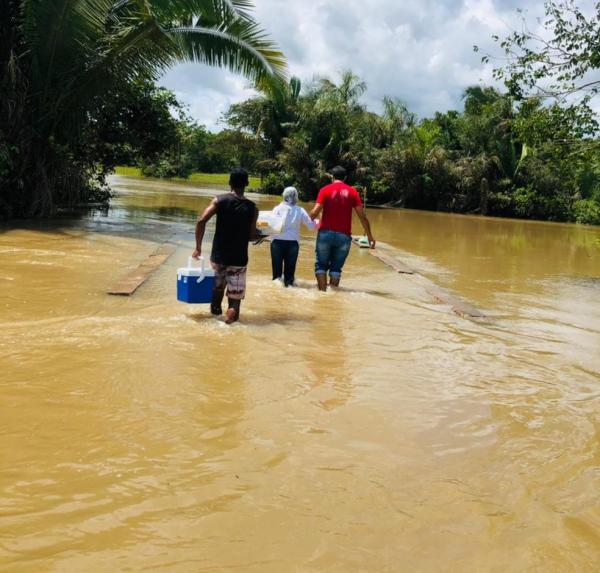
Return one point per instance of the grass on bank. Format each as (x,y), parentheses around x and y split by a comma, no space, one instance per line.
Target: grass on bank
(219,179)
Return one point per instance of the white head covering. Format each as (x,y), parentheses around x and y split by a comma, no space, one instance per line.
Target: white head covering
(290,195)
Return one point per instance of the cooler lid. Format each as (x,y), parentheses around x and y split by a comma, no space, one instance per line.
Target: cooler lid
(192,271)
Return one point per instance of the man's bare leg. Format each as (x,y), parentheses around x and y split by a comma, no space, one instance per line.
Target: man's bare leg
(217,299)
(322,282)
(233,312)
(334,281)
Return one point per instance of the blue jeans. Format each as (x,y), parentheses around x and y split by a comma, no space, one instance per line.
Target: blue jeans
(331,253)
(284,255)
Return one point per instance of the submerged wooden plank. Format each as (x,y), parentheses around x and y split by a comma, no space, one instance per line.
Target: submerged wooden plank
(392,262)
(458,305)
(136,278)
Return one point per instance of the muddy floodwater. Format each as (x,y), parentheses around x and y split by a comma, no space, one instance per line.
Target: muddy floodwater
(369,429)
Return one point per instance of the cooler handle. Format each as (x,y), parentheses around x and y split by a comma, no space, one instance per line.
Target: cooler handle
(191,263)
(191,266)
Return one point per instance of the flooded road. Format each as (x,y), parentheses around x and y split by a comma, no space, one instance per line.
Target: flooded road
(368,429)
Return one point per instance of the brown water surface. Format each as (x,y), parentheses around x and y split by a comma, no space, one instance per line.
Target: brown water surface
(368,429)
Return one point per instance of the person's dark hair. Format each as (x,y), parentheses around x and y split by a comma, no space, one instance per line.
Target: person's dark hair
(338,172)
(238,179)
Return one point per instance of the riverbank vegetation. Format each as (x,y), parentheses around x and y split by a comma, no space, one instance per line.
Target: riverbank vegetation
(79,97)
(208,179)
(529,151)
(497,156)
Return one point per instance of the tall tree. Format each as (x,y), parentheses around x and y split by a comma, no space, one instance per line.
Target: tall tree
(269,116)
(557,63)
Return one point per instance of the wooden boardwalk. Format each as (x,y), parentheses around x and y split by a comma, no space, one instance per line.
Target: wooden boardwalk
(392,262)
(136,278)
(458,305)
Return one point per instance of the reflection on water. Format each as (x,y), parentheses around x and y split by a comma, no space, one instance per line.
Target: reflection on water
(360,430)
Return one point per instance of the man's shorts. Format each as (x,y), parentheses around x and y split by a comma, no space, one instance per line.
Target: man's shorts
(331,253)
(234,278)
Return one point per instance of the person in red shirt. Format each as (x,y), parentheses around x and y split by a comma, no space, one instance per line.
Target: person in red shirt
(335,203)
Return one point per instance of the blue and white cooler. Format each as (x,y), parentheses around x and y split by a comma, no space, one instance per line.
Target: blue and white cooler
(195,284)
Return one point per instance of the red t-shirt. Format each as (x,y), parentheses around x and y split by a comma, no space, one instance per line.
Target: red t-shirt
(338,200)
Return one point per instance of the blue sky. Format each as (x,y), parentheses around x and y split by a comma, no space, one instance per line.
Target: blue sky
(420,51)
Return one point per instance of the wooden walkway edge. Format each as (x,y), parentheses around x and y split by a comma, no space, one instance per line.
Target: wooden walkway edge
(392,262)
(136,278)
(458,305)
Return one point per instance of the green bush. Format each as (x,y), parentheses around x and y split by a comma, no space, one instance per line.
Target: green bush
(167,168)
(380,192)
(524,199)
(274,183)
(587,211)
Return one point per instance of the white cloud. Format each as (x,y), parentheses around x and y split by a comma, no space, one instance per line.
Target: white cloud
(420,51)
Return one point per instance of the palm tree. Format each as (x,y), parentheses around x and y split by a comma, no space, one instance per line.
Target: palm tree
(65,54)
(330,112)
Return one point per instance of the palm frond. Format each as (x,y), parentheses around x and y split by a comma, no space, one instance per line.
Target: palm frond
(215,32)
(242,7)
(79,48)
(240,47)
(190,12)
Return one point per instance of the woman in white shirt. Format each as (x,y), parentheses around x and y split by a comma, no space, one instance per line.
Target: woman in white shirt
(285,246)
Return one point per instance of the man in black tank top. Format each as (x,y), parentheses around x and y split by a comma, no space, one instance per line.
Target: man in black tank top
(236,226)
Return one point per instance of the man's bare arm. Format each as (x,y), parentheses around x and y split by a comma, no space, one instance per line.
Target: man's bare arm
(201,227)
(360,211)
(316,211)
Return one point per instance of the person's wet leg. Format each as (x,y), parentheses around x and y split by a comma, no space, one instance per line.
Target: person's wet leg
(322,281)
(290,260)
(236,289)
(322,259)
(339,254)
(276,259)
(233,312)
(218,293)
(217,299)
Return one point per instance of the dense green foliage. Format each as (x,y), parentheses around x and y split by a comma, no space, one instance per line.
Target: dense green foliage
(78,97)
(531,152)
(496,157)
(76,79)
(558,64)
(159,137)
(150,129)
